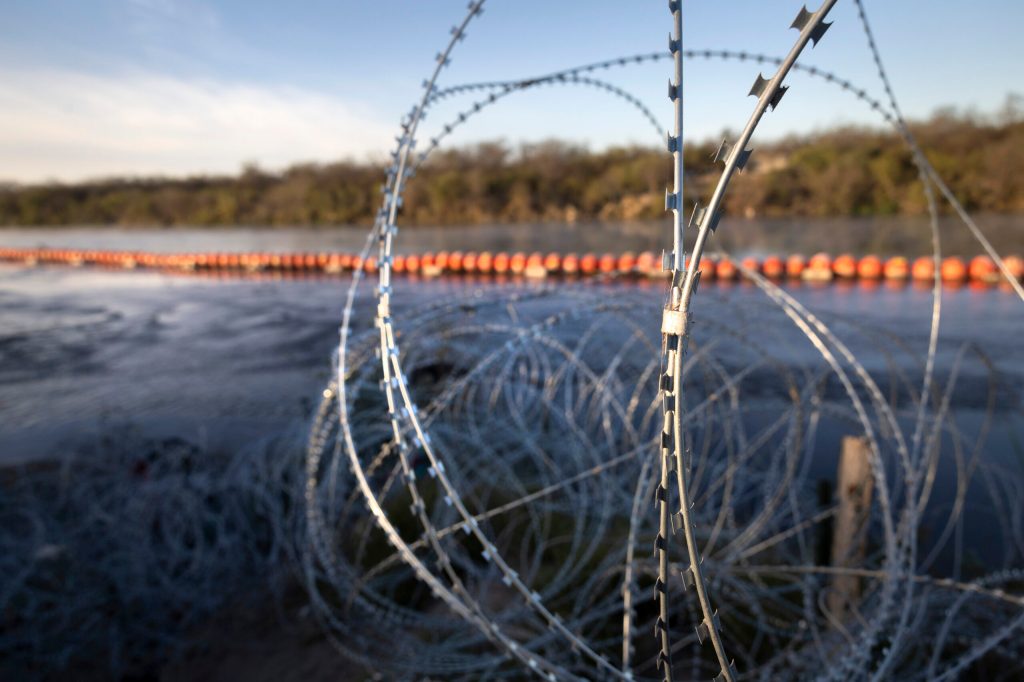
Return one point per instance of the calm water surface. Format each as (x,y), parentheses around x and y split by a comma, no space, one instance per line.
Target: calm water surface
(90,356)
(81,349)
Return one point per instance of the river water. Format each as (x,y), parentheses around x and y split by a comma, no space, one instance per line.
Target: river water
(89,355)
(231,359)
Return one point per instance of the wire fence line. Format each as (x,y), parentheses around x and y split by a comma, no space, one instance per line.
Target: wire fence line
(497,521)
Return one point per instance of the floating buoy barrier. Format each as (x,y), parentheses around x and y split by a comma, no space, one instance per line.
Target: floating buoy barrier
(980,271)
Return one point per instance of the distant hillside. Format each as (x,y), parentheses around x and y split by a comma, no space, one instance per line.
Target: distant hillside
(842,172)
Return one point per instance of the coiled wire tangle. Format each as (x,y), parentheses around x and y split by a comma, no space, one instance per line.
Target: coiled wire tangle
(522,391)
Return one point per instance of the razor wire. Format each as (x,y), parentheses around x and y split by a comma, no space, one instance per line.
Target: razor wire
(523,84)
(676,322)
(530,82)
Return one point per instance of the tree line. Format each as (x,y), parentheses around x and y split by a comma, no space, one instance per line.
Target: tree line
(850,171)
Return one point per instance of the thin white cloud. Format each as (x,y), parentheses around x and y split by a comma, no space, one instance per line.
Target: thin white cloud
(69,126)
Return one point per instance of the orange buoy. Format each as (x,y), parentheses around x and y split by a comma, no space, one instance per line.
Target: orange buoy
(501,262)
(896,268)
(773,267)
(442,261)
(370,264)
(953,269)
(795,265)
(333,264)
(707,269)
(647,264)
(428,265)
(923,268)
(725,269)
(517,263)
(470,262)
(626,263)
(588,264)
(398,263)
(819,268)
(820,261)
(983,269)
(553,262)
(535,266)
(869,267)
(485,262)
(845,266)
(1015,264)
(412,263)
(607,263)
(571,264)
(455,261)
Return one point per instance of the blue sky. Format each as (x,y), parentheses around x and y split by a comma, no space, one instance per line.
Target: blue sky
(117,87)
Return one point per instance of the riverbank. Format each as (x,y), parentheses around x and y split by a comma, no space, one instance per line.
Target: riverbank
(848,171)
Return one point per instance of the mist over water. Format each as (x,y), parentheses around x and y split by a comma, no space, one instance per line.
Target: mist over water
(905,236)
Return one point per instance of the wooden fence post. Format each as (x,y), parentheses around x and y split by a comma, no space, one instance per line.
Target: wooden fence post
(854,488)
